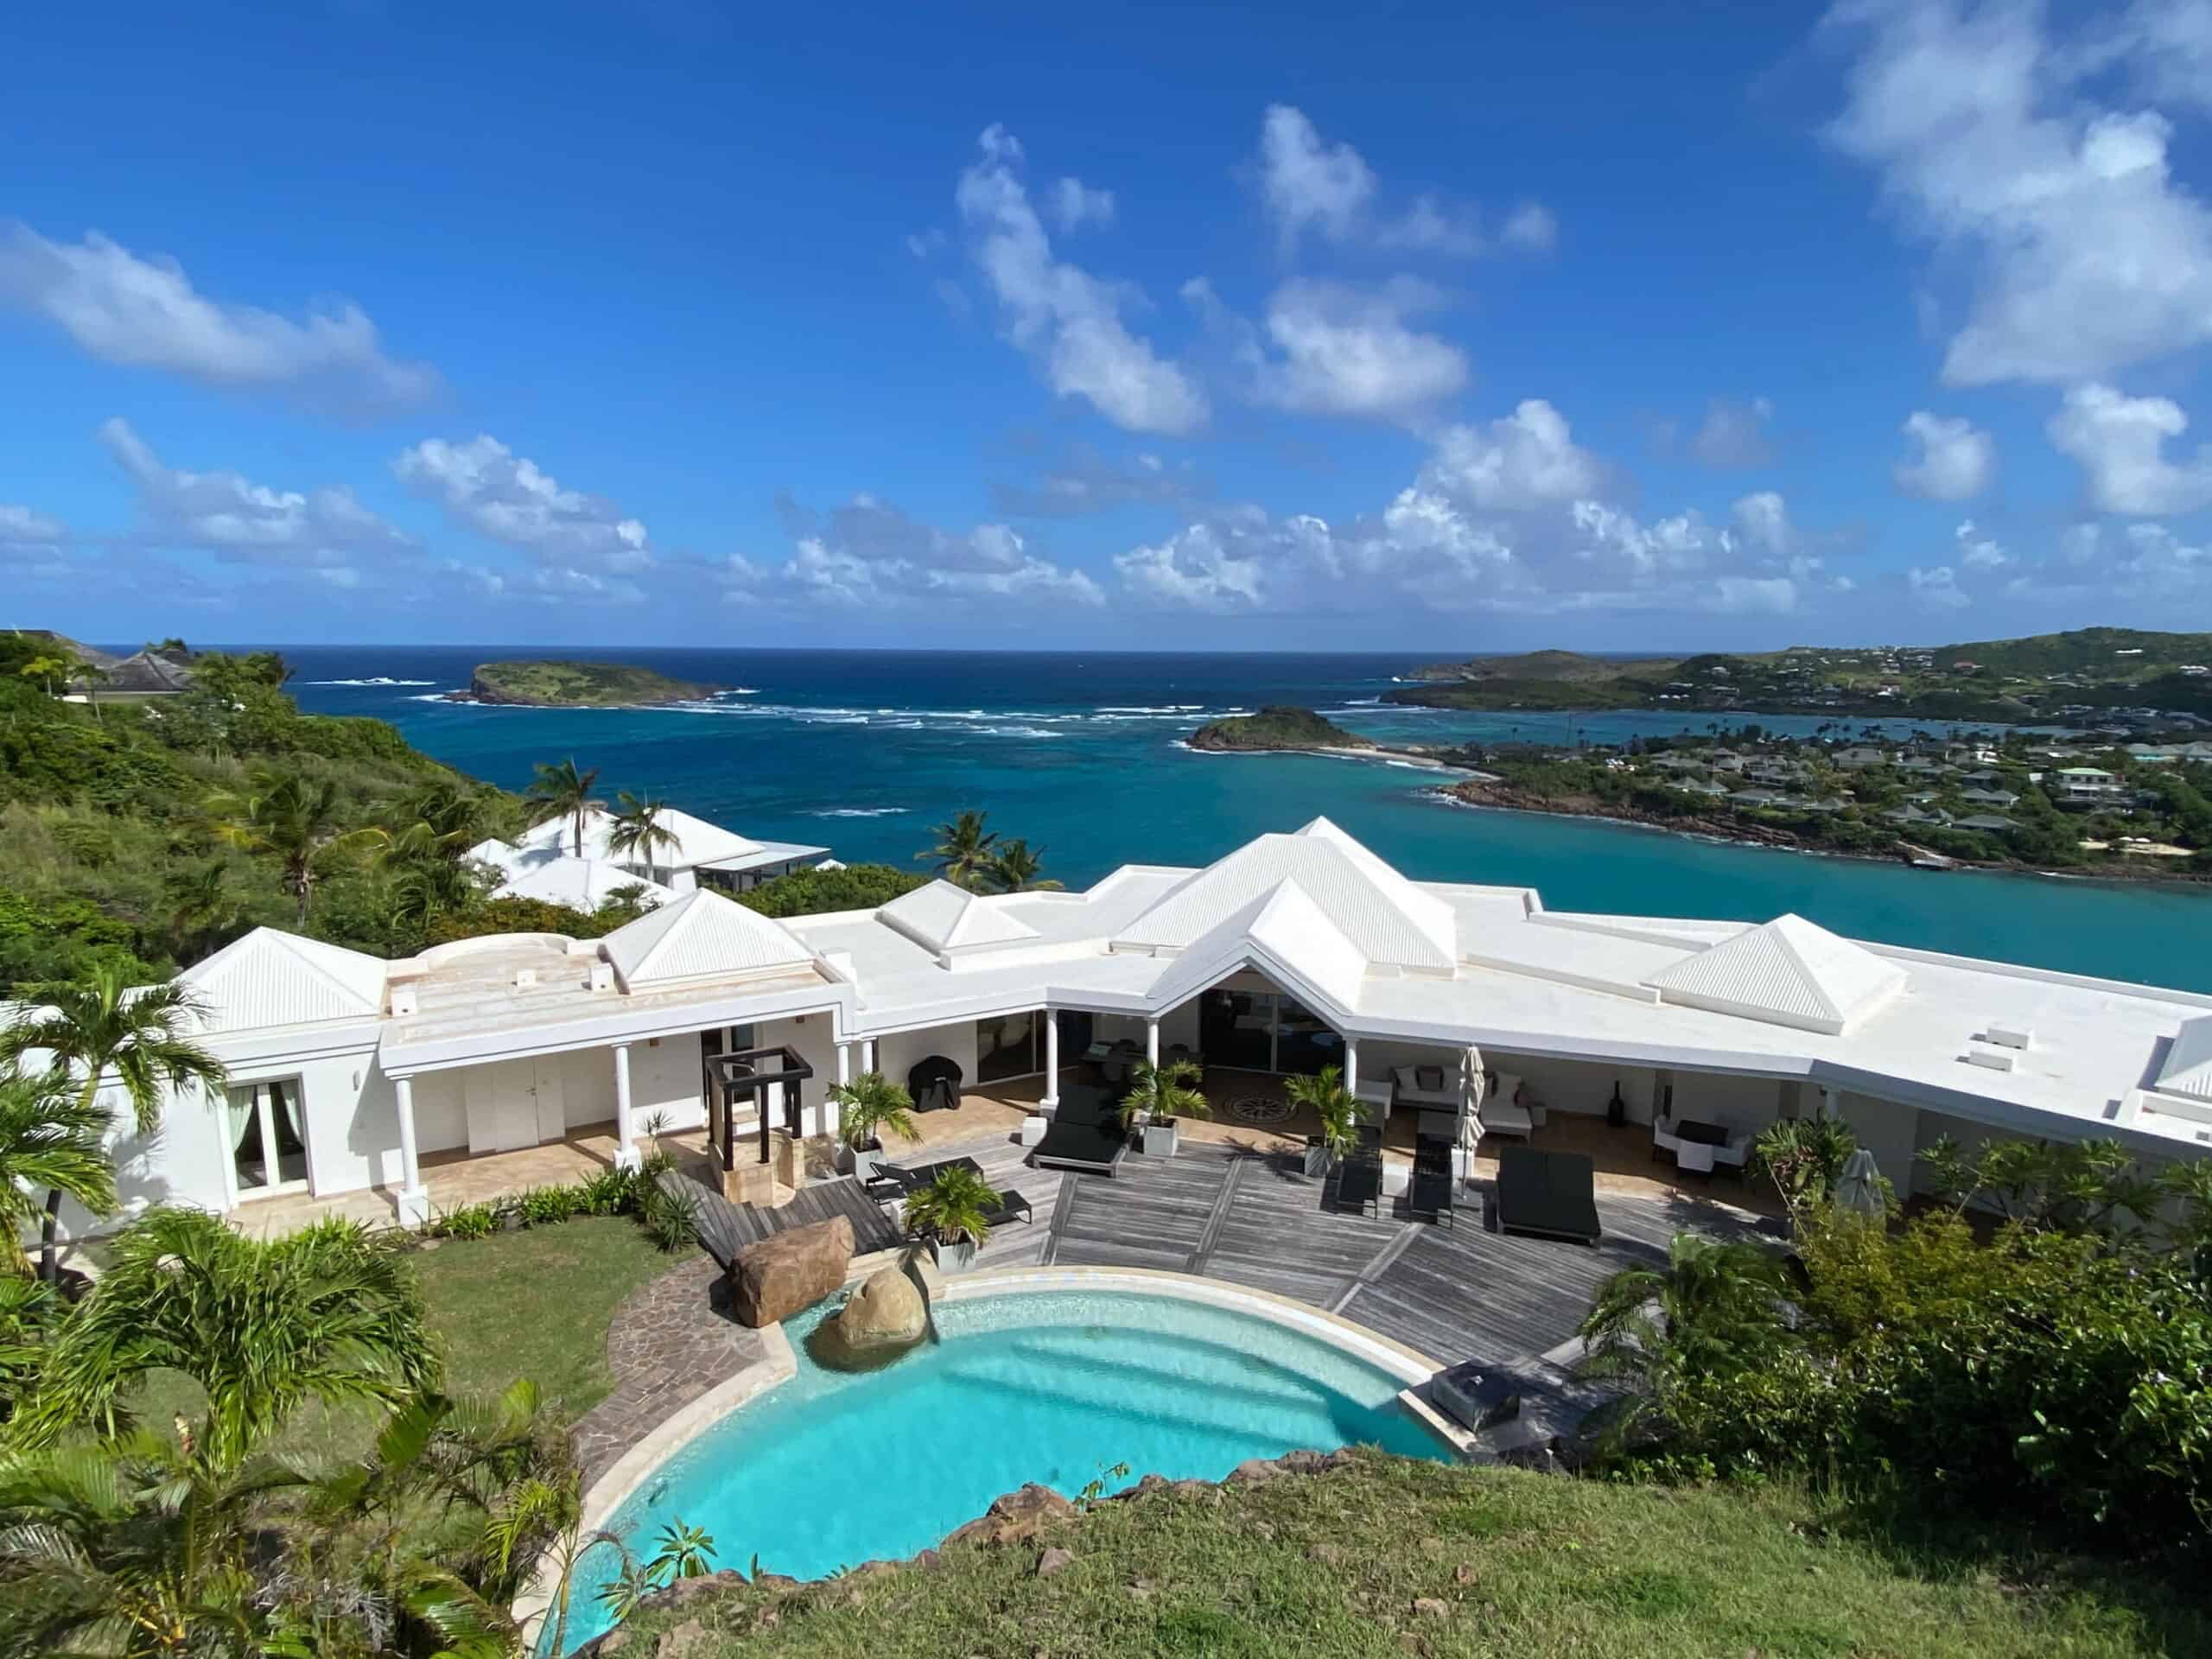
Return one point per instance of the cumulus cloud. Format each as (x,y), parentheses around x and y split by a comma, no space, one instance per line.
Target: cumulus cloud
(1527,459)
(2121,443)
(1735,433)
(1991,140)
(869,552)
(1956,458)
(485,486)
(145,313)
(1977,549)
(325,531)
(21,527)
(1333,349)
(1075,205)
(1068,322)
(1936,587)
(1086,482)
(1310,187)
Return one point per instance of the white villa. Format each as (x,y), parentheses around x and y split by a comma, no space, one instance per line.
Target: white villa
(1292,952)
(543,862)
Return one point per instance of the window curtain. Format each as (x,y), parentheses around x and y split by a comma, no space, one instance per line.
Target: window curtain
(283,1097)
(241,1110)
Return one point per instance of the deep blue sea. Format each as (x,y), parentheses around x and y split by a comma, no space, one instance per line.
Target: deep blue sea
(864,751)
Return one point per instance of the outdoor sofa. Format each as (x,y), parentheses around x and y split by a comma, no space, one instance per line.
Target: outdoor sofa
(1548,1195)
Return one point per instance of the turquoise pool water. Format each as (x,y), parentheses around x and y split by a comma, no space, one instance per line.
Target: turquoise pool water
(831,1469)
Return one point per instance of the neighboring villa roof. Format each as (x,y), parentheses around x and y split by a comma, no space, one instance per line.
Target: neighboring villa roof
(581,883)
(1390,921)
(697,842)
(272,978)
(1788,972)
(2187,1069)
(943,918)
(701,936)
(145,673)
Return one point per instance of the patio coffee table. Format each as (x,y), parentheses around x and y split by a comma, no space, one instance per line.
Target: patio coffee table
(1710,1135)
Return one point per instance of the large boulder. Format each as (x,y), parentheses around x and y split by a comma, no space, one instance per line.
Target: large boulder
(1015,1517)
(773,1279)
(886,1312)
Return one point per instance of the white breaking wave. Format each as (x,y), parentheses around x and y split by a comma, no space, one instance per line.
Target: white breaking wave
(438,697)
(859,811)
(1150,708)
(374,679)
(1015,731)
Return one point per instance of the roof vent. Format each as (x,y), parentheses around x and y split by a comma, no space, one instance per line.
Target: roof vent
(1988,1060)
(602,976)
(2009,1036)
(404,1000)
(525,978)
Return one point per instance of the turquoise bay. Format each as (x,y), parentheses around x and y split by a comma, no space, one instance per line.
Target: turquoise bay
(863,752)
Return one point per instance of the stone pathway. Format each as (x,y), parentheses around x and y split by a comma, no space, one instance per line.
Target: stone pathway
(668,1344)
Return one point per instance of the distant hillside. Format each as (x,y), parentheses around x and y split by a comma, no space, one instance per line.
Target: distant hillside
(2052,675)
(576,685)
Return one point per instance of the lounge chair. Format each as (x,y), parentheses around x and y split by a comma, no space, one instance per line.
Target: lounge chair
(1085,1134)
(1359,1179)
(1548,1195)
(1429,1196)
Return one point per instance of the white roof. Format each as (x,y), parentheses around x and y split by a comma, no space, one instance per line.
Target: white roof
(941,917)
(1788,972)
(697,842)
(273,978)
(701,936)
(1392,923)
(581,883)
(1282,930)
(2188,1070)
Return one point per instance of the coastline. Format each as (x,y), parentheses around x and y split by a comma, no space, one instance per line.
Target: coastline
(1343,752)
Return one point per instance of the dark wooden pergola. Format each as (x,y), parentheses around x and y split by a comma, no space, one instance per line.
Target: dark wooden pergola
(750,1072)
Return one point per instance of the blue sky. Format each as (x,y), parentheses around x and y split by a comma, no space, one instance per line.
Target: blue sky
(1411,327)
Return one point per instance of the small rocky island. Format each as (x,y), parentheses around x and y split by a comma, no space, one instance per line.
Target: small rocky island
(1279,727)
(576,685)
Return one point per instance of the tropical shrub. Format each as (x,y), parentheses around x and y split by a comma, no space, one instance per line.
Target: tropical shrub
(955,1205)
(470,1220)
(1165,1092)
(547,1206)
(606,1192)
(871,1106)
(1804,1158)
(813,893)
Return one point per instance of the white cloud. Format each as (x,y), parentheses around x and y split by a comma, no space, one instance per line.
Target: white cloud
(2120,444)
(1075,205)
(485,486)
(239,520)
(1754,595)
(1956,460)
(1936,589)
(1085,481)
(1977,549)
(1734,434)
(2083,253)
(1528,459)
(1330,191)
(1337,350)
(146,314)
(869,552)
(21,527)
(1762,520)
(1067,320)
(2095,564)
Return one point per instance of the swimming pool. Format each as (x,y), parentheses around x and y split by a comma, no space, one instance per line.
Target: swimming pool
(1054,1386)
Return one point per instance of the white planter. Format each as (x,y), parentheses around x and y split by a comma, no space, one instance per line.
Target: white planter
(1160,1139)
(955,1258)
(865,1159)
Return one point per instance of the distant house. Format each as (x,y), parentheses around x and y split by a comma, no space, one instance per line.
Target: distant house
(1858,757)
(1701,786)
(145,674)
(1992,822)
(2083,786)
(705,855)
(1997,797)
(1910,814)
(1766,797)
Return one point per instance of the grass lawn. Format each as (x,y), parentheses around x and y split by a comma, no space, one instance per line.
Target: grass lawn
(534,1303)
(1518,1566)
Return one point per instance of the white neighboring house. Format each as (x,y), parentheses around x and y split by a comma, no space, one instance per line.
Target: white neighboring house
(1294,951)
(582,883)
(705,854)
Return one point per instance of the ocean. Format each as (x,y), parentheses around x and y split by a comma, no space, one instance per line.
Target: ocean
(864,753)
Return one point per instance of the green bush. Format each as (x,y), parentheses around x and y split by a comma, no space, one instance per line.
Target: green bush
(606,1193)
(548,1206)
(812,893)
(471,1221)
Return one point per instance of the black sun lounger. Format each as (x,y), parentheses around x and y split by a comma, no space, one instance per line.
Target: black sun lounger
(1359,1180)
(1085,1133)
(1549,1194)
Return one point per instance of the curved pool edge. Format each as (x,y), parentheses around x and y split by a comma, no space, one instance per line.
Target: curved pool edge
(1408,1366)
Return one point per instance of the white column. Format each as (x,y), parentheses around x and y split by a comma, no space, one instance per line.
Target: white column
(1152,1042)
(844,1064)
(867,1054)
(1351,1066)
(1051,1098)
(625,1145)
(414,1201)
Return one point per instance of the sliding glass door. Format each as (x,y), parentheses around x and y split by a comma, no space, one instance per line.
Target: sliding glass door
(1008,1048)
(1264,1031)
(268,1135)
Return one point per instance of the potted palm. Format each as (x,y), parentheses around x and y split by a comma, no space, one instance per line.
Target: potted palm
(1159,1095)
(953,1213)
(1324,1094)
(870,1107)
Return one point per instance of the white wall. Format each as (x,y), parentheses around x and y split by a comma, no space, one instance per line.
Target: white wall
(897,1054)
(811,1037)
(1888,1130)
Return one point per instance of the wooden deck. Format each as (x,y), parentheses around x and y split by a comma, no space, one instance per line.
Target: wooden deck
(726,1228)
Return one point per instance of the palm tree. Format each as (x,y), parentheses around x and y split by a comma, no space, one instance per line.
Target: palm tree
(638,832)
(563,791)
(435,824)
(47,670)
(50,1141)
(1715,1307)
(870,1105)
(1324,1094)
(295,820)
(330,1314)
(201,909)
(103,1025)
(956,1205)
(1165,1092)
(1016,869)
(964,849)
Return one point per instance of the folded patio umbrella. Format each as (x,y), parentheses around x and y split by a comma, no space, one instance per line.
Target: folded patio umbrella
(1860,1188)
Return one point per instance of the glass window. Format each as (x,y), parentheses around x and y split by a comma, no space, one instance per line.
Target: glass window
(268,1134)
(1006,1048)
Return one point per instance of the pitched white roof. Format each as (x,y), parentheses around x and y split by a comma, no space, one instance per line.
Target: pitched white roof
(941,917)
(270,978)
(581,883)
(2188,1070)
(701,936)
(1284,930)
(697,842)
(1389,920)
(1787,972)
